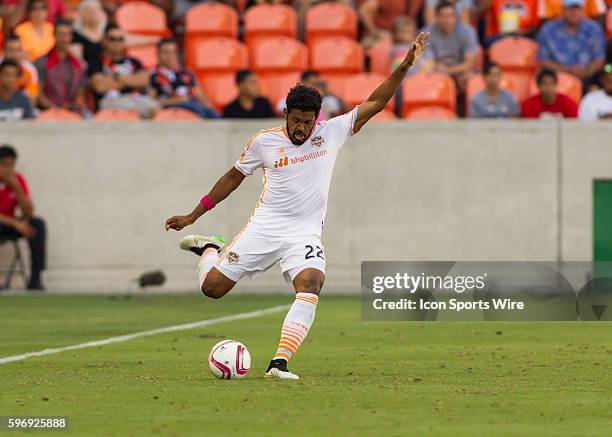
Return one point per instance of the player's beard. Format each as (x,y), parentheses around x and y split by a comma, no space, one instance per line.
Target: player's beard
(292,136)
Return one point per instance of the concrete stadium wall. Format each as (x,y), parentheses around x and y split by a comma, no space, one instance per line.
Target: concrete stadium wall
(401,191)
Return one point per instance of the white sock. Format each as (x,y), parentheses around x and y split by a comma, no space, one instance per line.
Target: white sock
(208,260)
(297,323)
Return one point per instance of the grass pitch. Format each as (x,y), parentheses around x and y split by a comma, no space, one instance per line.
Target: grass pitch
(358,378)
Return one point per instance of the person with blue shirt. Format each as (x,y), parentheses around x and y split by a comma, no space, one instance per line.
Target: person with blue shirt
(572,43)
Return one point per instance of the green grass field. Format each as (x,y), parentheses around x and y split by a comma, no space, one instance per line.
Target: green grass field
(358,378)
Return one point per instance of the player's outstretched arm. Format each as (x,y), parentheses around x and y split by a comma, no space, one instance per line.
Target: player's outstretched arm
(385,91)
(223,188)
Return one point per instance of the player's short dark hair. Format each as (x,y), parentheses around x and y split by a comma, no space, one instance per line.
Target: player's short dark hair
(242,75)
(546,72)
(307,74)
(9,63)
(162,42)
(7,151)
(9,38)
(445,4)
(490,66)
(63,22)
(304,98)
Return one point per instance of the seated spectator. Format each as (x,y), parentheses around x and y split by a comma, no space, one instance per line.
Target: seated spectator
(331,105)
(551,9)
(549,103)
(36,34)
(493,102)
(463,7)
(15,195)
(248,104)
(62,76)
(377,16)
(509,17)
(572,43)
(598,104)
(404,33)
(14,105)
(119,81)
(89,30)
(56,9)
(453,44)
(175,86)
(28,79)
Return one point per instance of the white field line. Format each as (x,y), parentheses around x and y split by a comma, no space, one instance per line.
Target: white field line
(127,337)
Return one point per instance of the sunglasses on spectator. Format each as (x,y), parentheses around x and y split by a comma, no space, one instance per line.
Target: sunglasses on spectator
(115,38)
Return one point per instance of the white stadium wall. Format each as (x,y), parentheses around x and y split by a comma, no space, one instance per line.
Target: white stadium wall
(468,190)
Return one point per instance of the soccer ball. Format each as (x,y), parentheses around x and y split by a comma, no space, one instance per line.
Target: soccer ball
(229,359)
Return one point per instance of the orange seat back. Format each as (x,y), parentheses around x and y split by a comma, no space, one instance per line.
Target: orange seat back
(220,55)
(428,89)
(357,88)
(169,114)
(567,84)
(279,54)
(219,87)
(116,115)
(385,115)
(431,113)
(277,86)
(330,19)
(337,56)
(265,20)
(380,56)
(514,54)
(59,114)
(142,18)
(147,54)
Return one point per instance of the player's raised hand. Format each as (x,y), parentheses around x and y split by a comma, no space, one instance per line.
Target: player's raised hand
(178,222)
(418,46)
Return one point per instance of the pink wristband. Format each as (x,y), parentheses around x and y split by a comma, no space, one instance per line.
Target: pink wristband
(207,202)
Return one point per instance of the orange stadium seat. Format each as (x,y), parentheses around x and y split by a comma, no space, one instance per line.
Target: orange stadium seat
(428,89)
(431,113)
(357,88)
(380,56)
(116,115)
(567,84)
(170,114)
(476,84)
(336,57)
(220,55)
(517,57)
(58,114)
(330,19)
(277,87)
(142,18)
(609,22)
(208,20)
(222,89)
(147,54)
(279,54)
(385,115)
(265,20)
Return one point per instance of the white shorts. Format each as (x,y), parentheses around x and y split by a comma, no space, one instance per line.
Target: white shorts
(250,254)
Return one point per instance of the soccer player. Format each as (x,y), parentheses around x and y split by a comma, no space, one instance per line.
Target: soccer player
(286,224)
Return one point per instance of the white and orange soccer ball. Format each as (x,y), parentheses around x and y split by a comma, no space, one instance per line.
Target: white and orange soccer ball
(229,359)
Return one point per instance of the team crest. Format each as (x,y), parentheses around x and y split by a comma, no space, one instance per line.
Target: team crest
(233,257)
(317,141)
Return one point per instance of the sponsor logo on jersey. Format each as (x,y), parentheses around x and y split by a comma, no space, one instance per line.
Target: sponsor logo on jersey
(317,141)
(233,257)
(282,162)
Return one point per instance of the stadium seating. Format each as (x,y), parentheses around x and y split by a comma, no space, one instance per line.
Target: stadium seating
(330,19)
(116,115)
(276,87)
(380,56)
(385,115)
(358,88)
(432,113)
(568,84)
(476,84)
(335,58)
(59,114)
(609,23)
(171,114)
(517,57)
(428,89)
(281,54)
(142,18)
(208,20)
(147,54)
(266,20)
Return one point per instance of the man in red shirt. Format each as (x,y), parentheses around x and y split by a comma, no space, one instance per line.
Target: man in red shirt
(549,103)
(14,194)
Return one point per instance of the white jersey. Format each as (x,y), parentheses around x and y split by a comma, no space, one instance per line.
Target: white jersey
(296,179)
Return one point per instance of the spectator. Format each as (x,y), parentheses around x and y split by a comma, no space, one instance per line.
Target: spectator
(14,105)
(119,81)
(28,79)
(14,194)
(551,9)
(175,86)
(463,7)
(248,104)
(56,9)
(89,30)
(549,103)
(509,17)
(453,44)
(36,34)
(61,74)
(572,43)
(404,33)
(493,102)
(377,16)
(598,104)
(11,13)
(331,105)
